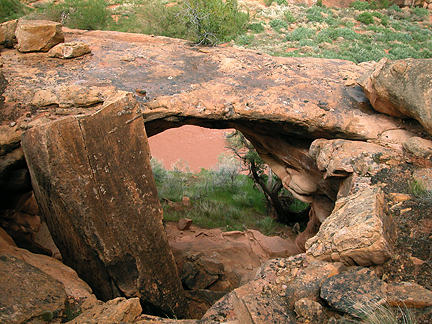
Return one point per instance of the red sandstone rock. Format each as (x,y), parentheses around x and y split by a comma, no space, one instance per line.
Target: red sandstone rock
(38,35)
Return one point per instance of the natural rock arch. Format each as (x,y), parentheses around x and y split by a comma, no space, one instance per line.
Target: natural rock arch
(280,104)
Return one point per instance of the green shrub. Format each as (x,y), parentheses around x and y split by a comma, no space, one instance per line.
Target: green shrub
(317,14)
(268,3)
(277,24)
(11,9)
(421,12)
(300,33)
(282,2)
(360,5)
(385,20)
(289,17)
(366,18)
(245,39)
(80,14)
(395,7)
(256,27)
(213,21)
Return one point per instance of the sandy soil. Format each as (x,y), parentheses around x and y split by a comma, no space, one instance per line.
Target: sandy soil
(199,147)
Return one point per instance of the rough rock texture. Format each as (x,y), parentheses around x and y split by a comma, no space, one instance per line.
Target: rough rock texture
(359,231)
(340,158)
(7,33)
(309,310)
(69,50)
(402,89)
(115,238)
(308,281)
(419,146)
(38,35)
(27,292)
(73,285)
(353,290)
(113,311)
(408,294)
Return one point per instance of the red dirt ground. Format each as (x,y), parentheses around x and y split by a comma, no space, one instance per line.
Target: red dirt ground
(199,147)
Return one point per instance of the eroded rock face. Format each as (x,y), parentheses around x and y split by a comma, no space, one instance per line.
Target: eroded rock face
(358,232)
(115,238)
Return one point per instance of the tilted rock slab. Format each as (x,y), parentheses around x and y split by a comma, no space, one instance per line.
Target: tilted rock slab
(93,182)
(358,232)
(38,35)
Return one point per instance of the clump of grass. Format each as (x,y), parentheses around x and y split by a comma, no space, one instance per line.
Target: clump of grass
(11,9)
(378,313)
(366,18)
(278,24)
(256,27)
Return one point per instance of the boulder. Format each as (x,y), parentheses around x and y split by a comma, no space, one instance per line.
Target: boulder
(7,33)
(418,146)
(401,89)
(73,285)
(308,280)
(69,50)
(358,232)
(339,158)
(38,35)
(354,291)
(27,292)
(113,311)
(408,294)
(92,176)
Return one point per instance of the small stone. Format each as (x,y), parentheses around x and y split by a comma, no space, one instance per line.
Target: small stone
(184,224)
(12,124)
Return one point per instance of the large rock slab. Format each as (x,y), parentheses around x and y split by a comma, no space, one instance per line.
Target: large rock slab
(358,232)
(401,88)
(38,35)
(93,182)
(27,292)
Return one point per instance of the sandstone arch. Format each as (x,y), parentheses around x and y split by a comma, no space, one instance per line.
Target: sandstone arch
(281,105)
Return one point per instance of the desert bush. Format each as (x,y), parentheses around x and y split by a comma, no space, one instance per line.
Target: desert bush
(395,8)
(277,24)
(360,5)
(79,14)
(11,9)
(210,22)
(289,17)
(420,12)
(300,33)
(256,27)
(366,18)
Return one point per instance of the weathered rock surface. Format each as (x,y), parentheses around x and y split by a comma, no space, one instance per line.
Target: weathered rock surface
(7,33)
(69,50)
(308,281)
(73,285)
(38,35)
(27,292)
(401,88)
(408,294)
(113,311)
(352,291)
(115,238)
(358,232)
(309,310)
